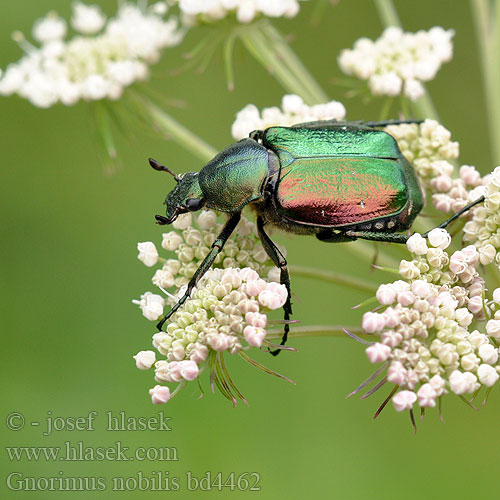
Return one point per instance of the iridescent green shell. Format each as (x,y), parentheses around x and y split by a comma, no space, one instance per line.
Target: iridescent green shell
(342,175)
(235,176)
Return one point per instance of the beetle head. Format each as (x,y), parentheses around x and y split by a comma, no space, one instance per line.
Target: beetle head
(185,197)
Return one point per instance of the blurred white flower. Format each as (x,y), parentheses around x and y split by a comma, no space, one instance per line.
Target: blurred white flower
(49,28)
(89,67)
(397,62)
(207,11)
(293,110)
(87,19)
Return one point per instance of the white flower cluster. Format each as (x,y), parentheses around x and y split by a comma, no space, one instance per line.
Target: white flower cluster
(207,11)
(397,62)
(293,110)
(429,148)
(484,228)
(424,329)
(98,63)
(226,311)
(191,240)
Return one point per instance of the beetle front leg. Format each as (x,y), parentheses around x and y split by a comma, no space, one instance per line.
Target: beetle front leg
(279,261)
(217,246)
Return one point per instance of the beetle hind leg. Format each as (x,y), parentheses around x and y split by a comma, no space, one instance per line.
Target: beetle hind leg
(456,215)
(279,261)
(386,123)
(329,236)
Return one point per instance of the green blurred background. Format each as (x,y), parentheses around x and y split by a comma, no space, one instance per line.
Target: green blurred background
(69,272)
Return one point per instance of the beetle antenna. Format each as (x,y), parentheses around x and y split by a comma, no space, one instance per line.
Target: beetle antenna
(163,168)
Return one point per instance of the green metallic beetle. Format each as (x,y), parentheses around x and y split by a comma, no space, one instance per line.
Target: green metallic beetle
(339,181)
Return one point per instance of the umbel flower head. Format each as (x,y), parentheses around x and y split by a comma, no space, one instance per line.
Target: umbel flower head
(293,110)
(397,62)
(226,312)
(245,11)
(104,57)
(431,341)
(483,230)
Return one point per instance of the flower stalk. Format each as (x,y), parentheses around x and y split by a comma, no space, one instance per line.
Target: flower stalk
(334,277)
(269,48)
(319,331)
(486,16)
(167,125)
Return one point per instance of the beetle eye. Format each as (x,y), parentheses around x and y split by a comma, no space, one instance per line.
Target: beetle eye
(193,204)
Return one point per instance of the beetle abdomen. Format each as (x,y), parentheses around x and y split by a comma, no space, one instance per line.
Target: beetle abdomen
(336,192)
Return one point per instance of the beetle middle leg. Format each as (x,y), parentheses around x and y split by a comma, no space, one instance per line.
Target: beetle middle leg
(279,261)
(217,246)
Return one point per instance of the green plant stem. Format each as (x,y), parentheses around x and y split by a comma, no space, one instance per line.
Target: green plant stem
(486,16)
(269,48)
(319,331)
(293,63)
(334,277)
(387,13)
(423,107)
(173,129)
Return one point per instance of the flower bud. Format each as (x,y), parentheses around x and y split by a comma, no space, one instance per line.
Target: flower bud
(462,383)
(220,342)
(416,244)
(207,219)
(404,400)
(199,353)
(496,295)
(171,240)
(189,370)
(144,360)
(439,238)
(256,319)
(163,278)
(493,328)
(396,374)
(373,322)
(487,254)
(386,294)
(426,396)
(148,254)
(159,394)
(487,375)
(183,221)
(488,353)
(421,288)
(378,352)
(254,336)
